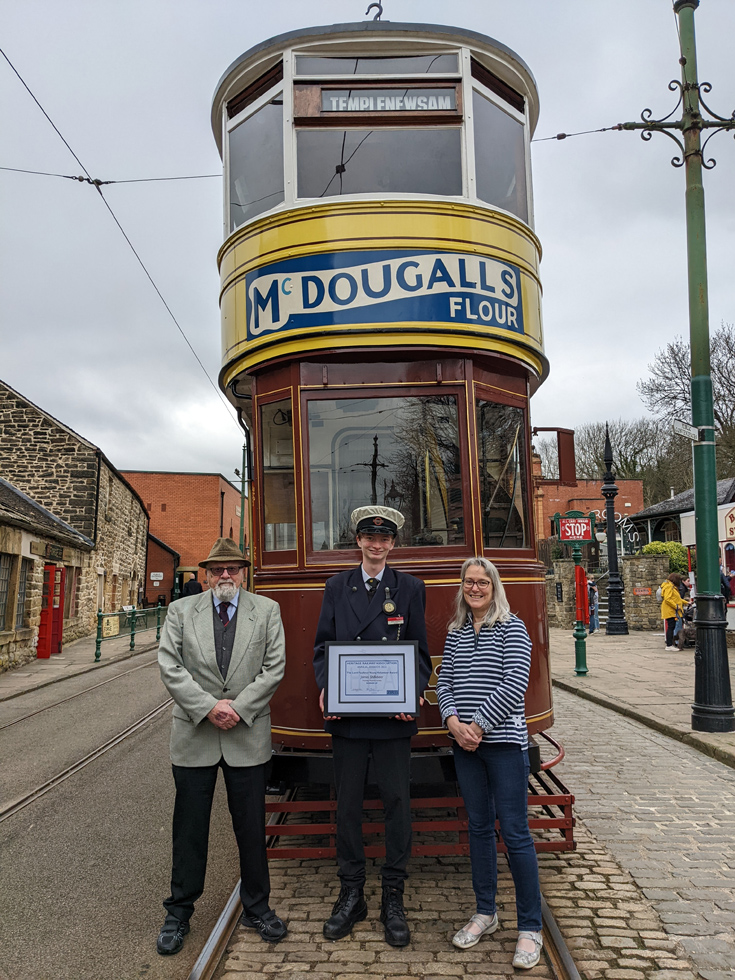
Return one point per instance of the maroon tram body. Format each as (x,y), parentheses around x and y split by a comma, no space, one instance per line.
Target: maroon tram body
(382,338)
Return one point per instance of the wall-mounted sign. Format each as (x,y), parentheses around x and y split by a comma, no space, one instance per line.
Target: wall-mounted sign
(575,529)
(399,99)
(730,523)
(639,590)
(559,591)
(156,576)
(53,551)
(387,286)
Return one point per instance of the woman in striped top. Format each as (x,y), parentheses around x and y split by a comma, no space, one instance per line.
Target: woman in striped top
(481,688)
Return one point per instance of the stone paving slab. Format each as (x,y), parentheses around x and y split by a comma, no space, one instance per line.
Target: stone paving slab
(665,812)
(635,676)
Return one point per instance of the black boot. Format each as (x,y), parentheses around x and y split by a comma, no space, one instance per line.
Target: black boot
(349,908)
(393,917)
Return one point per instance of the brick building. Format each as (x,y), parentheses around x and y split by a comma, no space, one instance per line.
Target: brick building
(73,480)
(553,496)
(187,511)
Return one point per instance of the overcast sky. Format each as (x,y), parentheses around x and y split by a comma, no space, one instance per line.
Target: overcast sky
(129,84)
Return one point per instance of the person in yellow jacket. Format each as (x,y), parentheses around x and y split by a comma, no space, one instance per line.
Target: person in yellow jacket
(672,605)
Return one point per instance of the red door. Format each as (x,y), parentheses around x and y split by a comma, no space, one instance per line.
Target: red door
(57,613)
(43,649)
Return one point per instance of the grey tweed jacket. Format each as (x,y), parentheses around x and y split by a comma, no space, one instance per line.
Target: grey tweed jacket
(186,656)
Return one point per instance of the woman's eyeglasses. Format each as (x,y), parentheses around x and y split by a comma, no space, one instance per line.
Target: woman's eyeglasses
(482,584)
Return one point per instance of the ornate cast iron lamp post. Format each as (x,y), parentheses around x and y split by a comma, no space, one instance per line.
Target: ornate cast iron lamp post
(712,710)
(617,624)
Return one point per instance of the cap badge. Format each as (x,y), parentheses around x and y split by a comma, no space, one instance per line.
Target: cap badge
(377,520)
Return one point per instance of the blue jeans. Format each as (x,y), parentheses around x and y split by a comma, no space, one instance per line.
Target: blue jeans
(493,782)
(594,618)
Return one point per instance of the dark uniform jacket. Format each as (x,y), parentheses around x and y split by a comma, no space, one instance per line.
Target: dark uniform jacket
(349,613)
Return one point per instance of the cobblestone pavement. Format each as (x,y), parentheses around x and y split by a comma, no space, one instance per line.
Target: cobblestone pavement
(610,926)
(666,814)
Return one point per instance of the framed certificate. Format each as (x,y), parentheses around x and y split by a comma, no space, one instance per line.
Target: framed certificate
(371,679)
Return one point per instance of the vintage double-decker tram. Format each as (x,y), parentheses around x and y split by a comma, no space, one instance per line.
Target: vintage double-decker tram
(381,323)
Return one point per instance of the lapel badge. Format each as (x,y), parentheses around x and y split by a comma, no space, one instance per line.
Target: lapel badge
(389,607)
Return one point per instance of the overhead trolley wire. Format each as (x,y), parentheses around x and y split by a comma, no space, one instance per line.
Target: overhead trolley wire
(97,185)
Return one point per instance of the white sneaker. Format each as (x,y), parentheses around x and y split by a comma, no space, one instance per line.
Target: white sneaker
(524,959)
(465,939)
(672,649)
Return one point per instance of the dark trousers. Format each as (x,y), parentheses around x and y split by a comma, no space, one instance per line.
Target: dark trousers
(670,624)
(391,760)
(192,811)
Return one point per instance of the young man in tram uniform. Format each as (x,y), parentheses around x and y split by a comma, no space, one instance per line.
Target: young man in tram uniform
(372,602)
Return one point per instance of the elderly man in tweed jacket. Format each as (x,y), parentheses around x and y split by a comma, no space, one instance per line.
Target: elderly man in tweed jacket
(222,655)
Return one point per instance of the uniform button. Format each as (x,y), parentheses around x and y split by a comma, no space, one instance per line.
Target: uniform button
(359,637)
(385,637)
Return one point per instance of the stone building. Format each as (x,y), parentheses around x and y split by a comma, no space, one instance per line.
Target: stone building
(34,546)
(72,479)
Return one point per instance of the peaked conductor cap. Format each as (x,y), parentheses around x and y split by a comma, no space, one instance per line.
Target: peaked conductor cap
(224,550)
(377,520)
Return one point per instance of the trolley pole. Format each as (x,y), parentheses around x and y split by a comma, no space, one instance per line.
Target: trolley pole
(712,710)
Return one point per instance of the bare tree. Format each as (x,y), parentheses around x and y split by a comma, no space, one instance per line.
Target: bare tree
(547,449)
(643,449)
(667,393)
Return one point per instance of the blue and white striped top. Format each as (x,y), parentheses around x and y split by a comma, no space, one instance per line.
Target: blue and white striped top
(484,676)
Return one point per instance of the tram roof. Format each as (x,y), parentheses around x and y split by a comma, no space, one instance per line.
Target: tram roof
(226,87)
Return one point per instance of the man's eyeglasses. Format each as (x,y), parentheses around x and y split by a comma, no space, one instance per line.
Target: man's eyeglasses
(482,584)
(231,570)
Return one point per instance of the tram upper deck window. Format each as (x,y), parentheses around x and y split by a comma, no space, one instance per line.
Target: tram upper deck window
(279,485)
(256,163)
(388,161)
(501,435)
(500,157)
(398,452)
(408,65)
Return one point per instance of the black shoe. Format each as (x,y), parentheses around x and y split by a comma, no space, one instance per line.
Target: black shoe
(393,917)
(270,928)
(171,937)
(349,908)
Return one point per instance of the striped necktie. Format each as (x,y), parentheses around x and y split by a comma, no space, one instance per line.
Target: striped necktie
(223,614)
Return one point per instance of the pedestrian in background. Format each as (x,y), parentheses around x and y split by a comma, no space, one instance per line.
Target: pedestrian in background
(193,586)
(481,688)
(593,596)
(222,655)
(672,606)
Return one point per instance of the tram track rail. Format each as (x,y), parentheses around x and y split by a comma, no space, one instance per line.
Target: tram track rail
(55,704)
(11,809)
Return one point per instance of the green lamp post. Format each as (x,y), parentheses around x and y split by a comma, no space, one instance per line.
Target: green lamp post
(712,710)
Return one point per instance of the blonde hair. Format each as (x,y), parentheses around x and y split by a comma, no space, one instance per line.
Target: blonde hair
(499,611)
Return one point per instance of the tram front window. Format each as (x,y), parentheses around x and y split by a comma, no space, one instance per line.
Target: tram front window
(279,499)
(501,449)
(256,163)
(397,452)
(385,161)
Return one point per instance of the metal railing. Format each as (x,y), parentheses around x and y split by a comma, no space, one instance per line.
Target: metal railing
(127,622)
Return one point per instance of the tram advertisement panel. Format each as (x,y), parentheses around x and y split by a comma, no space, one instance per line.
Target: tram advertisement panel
(385,286)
